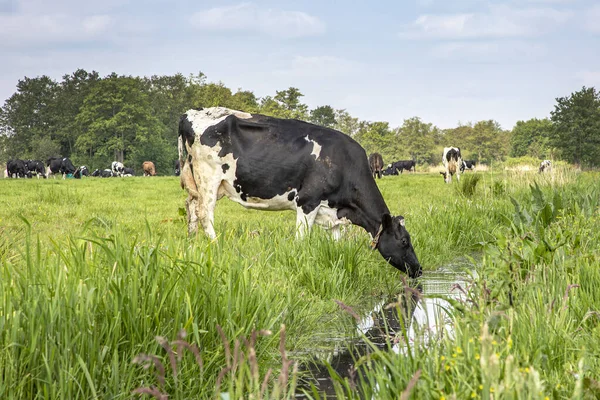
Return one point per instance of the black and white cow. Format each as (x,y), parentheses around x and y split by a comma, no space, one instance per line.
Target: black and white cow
(36,168)
(128,172)
(376,164)
(80,172)
(452,160)
(390,170)
(268,163)
(56,165)
(467,164)
(409,165)
(117,168)
(545,166)
(103,173)
(16,169)
(177,167)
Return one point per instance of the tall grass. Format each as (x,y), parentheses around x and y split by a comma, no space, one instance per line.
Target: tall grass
(92,271)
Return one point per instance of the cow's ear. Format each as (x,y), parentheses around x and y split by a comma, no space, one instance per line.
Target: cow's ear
(386,222)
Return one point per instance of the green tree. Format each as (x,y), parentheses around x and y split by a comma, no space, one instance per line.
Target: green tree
(28,115)
(530,138)
(72,91)
(269,106)
(377,137)
(493,143)
(576,130)
(245,100)
(285,104)
(324,116)
(346,123)
(116,118)
(418,138)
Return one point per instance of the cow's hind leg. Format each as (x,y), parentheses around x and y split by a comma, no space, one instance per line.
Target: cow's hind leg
(208,188)
(191,205)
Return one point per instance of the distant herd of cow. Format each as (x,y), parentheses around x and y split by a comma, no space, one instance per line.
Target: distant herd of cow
(64,167)
(451,160)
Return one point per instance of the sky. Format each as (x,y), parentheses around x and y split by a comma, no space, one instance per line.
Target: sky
(447,62)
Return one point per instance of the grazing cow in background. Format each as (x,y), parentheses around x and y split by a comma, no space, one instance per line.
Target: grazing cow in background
(56,165)
(117,168)
(390,170)
(545,165)
(467,164)
(16,169)
(36,167)
(409,165)
(80,172)
(376,164)
(177,167)
(268,163)
(452,160)
(104,173)
(128,172)
(148,168)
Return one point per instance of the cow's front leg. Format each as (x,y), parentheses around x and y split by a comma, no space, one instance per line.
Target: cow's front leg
(336,232)
(305,221)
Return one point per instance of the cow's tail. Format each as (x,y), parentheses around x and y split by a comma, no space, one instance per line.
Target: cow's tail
(186,176)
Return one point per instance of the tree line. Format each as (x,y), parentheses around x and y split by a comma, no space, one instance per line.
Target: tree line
(95,120)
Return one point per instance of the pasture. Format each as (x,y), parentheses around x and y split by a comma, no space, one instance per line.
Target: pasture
(95,272)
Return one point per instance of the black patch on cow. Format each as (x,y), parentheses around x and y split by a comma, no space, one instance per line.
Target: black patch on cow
(186,130)
(225,167)
(453,154)
(274,155)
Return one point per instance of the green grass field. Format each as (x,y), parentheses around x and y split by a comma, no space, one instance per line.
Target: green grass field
(95,272)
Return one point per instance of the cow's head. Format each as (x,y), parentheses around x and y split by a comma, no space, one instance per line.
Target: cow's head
(394,244)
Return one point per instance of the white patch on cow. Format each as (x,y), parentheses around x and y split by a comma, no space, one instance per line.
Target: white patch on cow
(316,151)
(327,217)
(207,117)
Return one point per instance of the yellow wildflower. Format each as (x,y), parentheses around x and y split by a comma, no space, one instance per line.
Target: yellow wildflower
(473,395)
(442,358)
(477,356)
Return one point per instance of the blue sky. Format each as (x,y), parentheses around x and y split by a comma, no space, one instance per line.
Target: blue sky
(444,61)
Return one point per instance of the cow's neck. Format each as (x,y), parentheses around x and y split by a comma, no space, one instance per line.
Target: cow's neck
(369,215)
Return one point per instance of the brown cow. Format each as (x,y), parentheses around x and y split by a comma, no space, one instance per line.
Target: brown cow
(376,164)
(148,167)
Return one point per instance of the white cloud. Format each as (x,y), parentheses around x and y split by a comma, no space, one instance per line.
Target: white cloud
(497,22)
(18,29)
(495,51)
(319,67)
(247,17)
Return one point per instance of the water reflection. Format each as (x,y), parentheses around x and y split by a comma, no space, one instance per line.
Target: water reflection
(416,316)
